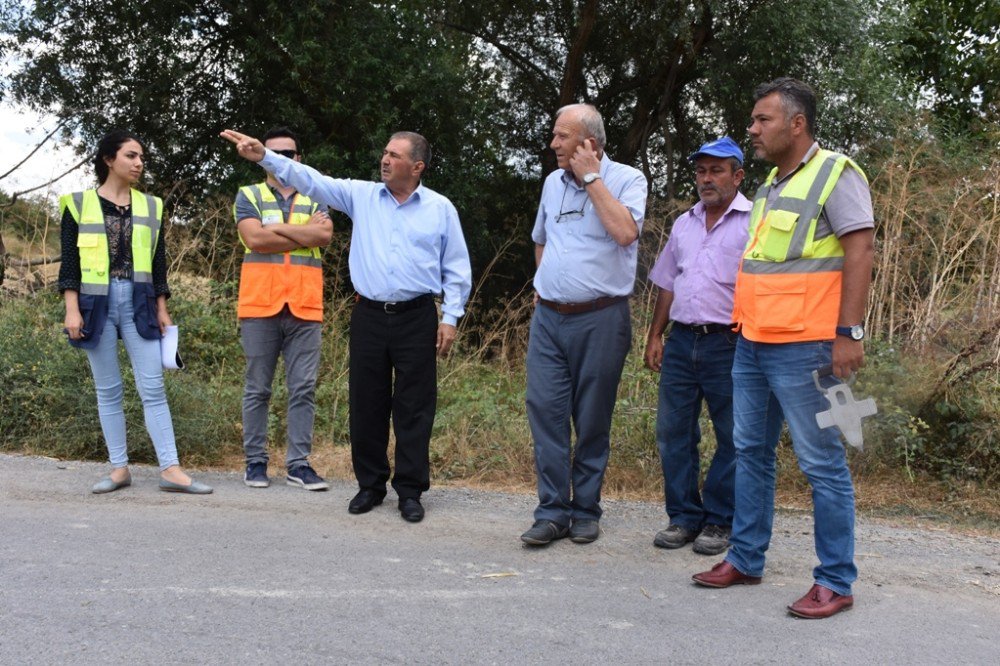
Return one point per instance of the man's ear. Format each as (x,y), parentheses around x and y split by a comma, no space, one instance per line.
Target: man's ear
(798,123)
(419,167)
(738,176)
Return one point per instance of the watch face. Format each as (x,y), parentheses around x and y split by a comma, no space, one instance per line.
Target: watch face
(857,332)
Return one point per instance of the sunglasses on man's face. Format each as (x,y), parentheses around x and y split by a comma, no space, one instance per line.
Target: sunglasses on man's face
(290,154)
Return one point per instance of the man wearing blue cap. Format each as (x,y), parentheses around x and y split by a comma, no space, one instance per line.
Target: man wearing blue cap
(696,276)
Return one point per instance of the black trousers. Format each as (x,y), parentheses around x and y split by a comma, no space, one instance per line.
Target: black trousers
(393,373)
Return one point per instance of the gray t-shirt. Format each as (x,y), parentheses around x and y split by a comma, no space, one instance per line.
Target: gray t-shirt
(847,209)
(245,207)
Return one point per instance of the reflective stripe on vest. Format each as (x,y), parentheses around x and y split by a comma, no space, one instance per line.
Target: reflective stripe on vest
(92,239)
(789,283)
(268,281)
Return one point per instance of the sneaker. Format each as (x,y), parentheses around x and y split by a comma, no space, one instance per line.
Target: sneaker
(544,532)
(256,475)
(714,539)
(306,477)
(674,536)
(584,531)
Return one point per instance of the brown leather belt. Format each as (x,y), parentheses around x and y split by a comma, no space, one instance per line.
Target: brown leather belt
(579,308)
(705,329)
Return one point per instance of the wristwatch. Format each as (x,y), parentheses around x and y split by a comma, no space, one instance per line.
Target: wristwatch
(856,332)
(588,178)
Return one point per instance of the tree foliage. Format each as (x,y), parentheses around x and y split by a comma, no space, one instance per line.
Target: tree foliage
(344,74)
(952,49)
(668,75)
(480,79)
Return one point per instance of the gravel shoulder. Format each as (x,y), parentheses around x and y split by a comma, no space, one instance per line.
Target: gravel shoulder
(282,574)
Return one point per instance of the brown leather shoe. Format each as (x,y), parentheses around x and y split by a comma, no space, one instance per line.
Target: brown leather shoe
(820,602)
(724,574)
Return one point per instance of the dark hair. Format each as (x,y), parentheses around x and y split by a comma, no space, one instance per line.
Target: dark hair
(796,97)
(420,150)
(282,132)
(108,147)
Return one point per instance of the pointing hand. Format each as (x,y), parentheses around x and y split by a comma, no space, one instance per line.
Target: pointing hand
(247,146)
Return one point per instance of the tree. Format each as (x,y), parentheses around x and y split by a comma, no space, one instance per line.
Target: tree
(344,74)
(668,75)
(952,48)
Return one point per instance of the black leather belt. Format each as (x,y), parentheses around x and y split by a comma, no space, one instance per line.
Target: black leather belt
(394,307)
(579,308)
(705,329)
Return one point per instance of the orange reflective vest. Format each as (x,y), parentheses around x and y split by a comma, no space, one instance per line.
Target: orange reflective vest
(789,283)
(269,281)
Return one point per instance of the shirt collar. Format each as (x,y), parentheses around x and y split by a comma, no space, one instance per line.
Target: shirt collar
(415,195)
(739,203)
(813,149)
(567,174)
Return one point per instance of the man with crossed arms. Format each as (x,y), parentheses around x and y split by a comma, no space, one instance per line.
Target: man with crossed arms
(406,247)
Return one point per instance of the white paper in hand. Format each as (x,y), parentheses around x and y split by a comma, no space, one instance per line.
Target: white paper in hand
(168,350)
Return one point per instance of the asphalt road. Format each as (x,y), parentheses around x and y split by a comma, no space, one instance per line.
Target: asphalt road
(284,575)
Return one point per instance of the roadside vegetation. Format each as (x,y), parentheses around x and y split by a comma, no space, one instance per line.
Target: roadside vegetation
(933,450)
(909,88)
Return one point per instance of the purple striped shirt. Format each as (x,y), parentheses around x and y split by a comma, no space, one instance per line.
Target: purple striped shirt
(700,266)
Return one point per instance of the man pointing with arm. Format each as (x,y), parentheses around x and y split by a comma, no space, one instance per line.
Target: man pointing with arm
(406,247)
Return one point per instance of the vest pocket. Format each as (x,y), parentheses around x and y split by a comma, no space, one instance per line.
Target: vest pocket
(776,235)
(93,253)
(311,290)
(780,302)
(256,285)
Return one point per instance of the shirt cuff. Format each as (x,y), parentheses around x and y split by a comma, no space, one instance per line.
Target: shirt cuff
(451,320)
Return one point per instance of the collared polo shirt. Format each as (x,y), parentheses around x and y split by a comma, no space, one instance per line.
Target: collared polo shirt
(847,209)
(700,266)
(581,261)
(399,251)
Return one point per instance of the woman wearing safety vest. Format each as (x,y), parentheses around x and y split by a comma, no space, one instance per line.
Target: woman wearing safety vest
(113,278)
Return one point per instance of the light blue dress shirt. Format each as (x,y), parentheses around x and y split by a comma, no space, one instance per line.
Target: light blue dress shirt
(399,251)
(581,261)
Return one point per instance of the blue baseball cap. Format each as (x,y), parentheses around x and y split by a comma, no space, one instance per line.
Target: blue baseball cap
(724,147)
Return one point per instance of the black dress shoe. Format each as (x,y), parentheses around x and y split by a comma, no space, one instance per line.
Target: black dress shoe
(365,501)
(584,531)
(411,509)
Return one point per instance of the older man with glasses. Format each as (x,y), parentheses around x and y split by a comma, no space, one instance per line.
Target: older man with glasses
(585,234)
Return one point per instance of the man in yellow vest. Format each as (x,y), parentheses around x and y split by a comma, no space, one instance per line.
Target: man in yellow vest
(799,305)
(281,313)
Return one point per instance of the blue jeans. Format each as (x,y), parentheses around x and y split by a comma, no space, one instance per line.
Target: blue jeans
(147,368)
(696,367)
(772,382)
(574,365)
(298,342)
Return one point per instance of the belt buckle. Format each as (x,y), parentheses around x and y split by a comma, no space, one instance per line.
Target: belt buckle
(389,308)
